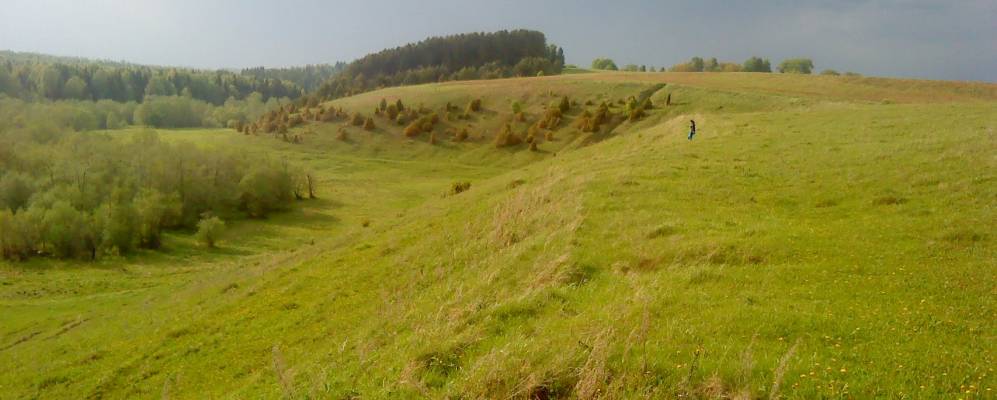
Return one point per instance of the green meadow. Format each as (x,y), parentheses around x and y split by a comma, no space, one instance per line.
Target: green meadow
(821,237)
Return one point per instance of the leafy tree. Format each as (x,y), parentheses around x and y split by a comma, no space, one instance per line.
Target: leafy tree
(604,63)
(75,88)
(155,212)
(15,190)
(264,189)
(118,228)
(796,66)
(697,64)
(209,230)
(64,229)
(755,64)
(711,65)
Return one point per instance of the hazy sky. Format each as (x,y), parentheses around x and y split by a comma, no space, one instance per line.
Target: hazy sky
(917,38)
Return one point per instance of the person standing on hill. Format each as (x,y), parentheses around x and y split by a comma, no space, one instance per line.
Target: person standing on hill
(692,128)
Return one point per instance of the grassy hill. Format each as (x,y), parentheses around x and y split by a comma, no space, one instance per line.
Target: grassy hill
(822,237)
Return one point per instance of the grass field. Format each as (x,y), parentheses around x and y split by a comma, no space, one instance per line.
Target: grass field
(822,237)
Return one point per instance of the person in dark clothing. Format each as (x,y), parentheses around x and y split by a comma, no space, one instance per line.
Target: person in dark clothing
(692,128)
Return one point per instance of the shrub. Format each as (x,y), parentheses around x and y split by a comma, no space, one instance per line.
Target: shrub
(368,124)
(15,190)
(432,138)
(755,64)
(829,72)
(506,137)
(474,106)
(383,105)
(564,105)
(342,135)
(392,111)
(516,107)
(460,187)
(461,135)
(796,66)
(263,189)
(399,105)
(604,63)
(413,129)
(209,230)
(357,120)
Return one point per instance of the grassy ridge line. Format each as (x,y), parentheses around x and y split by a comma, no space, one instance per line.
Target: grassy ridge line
(841,88)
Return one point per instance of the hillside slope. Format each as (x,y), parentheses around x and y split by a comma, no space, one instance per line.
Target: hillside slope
(806,243)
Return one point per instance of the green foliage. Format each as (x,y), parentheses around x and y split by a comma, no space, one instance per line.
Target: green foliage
(711,65)
(604,63)
(755,64)
(829,72)
(209,230)
(796,66)
(156,211)
(86,194)
(59,78)
(174,112)
(534,66)
(264,189)
(15,190)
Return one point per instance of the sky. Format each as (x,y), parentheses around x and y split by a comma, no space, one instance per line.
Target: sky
(954,39)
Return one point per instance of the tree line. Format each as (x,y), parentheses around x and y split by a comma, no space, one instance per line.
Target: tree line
(699,64)
(33,77)
(456,57)
(84,195)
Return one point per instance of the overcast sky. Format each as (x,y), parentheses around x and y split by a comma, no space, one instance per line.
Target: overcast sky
(912,38)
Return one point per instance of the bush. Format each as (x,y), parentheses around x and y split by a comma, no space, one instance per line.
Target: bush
(604,63)
(209,230)
(474,106)
(413,129)
(796,66)
(564,105)
(368,124)
(15,190)
(357,119)
(506,137)
(460,187)
(392,111)
(461,135)
(829,72)
(755,64)
(264,189)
